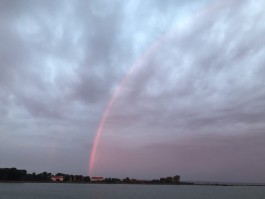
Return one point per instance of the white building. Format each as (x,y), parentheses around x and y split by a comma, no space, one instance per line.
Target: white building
(57,178)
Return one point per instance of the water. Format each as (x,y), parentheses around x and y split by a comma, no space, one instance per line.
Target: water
(103,191)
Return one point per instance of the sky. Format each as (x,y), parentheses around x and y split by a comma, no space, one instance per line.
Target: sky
(144,89)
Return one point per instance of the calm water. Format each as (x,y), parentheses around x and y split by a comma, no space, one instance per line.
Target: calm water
(80,191)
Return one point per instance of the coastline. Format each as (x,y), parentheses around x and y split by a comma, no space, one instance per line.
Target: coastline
(178,184)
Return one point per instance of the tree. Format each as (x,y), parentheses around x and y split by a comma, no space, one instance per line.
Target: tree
(162,180)
(176,178)
(126,180)
(87,179)
(66,178)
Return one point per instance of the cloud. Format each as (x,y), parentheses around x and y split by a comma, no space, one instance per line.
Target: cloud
(203,80)
(200,78)
(198,71)
(223,158)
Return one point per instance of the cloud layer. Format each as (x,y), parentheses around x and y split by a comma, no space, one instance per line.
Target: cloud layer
(196,88)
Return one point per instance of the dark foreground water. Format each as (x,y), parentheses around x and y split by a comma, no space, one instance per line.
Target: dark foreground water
(93,191)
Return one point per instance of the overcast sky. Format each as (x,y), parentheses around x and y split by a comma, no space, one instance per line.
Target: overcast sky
(190,77)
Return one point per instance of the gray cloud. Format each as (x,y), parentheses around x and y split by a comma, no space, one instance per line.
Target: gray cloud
(199,72)
(202,81)
(223,158)
(199,81)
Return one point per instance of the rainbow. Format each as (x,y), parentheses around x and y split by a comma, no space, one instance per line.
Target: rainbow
(148,53)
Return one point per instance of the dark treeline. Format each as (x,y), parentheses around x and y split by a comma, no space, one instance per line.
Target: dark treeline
(73,178)
(13,174)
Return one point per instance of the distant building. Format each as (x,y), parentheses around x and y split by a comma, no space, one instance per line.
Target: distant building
(97,179)
(57,178)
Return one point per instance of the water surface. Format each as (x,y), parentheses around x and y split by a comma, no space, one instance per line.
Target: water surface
(121,191)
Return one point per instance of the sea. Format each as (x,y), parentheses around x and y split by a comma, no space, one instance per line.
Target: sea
(125,191)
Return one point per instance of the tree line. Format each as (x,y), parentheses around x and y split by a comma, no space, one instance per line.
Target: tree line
(14,174)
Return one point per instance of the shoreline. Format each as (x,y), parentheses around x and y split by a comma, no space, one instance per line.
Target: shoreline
(178,184)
